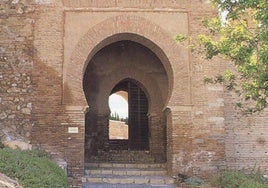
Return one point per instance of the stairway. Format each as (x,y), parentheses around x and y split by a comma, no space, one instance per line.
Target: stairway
(126,175)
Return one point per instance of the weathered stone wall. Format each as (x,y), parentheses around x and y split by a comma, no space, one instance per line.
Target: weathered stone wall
(44,47)
(198,128)
(51,118)
(246,138)
(220,132)
(126,4)
(16,63)
(47,77)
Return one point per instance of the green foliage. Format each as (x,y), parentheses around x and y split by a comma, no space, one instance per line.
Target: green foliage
(114,116)
(238,179)
(33,169)
(1,145)
(243,40)
(181,38)
(194,181)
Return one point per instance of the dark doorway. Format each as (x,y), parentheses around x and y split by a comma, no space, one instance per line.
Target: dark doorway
(133,68)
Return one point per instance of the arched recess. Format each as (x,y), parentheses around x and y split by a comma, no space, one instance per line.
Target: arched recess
(138,128)
(144,32)
(126,27)
(113,66)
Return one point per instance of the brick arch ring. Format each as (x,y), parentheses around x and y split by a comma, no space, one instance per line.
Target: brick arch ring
(123,27)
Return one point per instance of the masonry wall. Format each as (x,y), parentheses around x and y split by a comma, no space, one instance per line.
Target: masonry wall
(223,133)
(47,77)
(246,140)
(16,64)
(39,104)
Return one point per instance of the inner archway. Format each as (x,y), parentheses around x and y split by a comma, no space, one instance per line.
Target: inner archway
(137,121)
(128,66)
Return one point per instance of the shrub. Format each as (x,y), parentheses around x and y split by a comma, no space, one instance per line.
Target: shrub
(239,179)
(1,145)
(33,169)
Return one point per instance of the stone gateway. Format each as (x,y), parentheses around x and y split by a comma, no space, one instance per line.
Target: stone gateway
(61,60)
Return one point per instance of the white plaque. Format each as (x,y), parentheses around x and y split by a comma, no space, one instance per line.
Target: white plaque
(72,129)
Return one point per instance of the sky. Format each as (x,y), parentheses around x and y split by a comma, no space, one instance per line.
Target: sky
(118,104)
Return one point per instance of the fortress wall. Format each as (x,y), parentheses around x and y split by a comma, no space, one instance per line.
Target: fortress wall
(41,95)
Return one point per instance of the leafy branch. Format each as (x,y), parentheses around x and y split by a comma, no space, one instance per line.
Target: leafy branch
(243,40)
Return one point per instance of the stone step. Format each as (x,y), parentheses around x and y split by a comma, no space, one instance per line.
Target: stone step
(125,179)
(127,174)
(125,165)
(120,158)
(125,171)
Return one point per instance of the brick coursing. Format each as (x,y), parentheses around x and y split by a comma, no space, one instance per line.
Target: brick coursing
(44,49)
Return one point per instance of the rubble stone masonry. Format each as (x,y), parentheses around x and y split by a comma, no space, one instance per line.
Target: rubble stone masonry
(16,65)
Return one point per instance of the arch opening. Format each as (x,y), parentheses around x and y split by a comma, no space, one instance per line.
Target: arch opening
(118,121)
(145,42)
(131,67)
(137,120)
